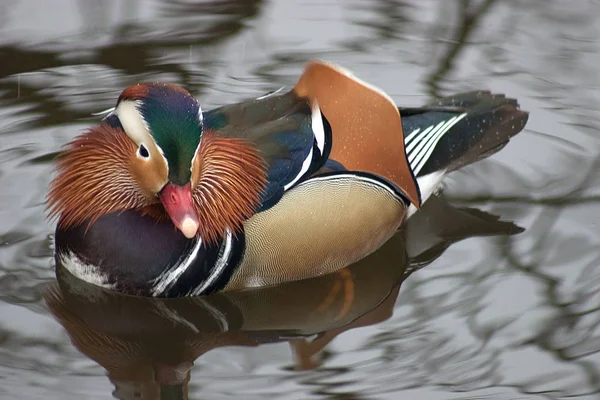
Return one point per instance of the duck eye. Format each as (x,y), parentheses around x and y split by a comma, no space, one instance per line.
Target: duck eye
(143,151)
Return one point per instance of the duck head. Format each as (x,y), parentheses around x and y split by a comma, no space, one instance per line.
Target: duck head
(153,154)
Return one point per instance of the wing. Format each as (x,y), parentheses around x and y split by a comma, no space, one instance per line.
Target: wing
(293,137)
(367,131)
(458,130)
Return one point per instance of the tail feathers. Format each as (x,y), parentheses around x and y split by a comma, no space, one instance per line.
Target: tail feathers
(459,130)
(471,99)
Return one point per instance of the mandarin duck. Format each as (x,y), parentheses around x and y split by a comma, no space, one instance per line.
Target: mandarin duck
(164,199)
(149,344)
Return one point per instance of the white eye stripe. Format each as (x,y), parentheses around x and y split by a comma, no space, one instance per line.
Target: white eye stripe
(136,127)
(132,121)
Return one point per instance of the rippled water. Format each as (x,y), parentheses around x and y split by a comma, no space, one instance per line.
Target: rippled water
(498,317)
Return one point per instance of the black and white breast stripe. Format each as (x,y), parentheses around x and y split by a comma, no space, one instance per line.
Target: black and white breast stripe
(421,143)
(223,259)
(188,278)
(165,281)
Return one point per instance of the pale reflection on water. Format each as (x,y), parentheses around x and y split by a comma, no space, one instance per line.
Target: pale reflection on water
(500,317)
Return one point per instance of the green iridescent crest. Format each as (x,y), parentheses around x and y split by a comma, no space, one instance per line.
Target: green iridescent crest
(175,122)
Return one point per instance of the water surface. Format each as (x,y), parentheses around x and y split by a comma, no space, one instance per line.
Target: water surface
(498,317)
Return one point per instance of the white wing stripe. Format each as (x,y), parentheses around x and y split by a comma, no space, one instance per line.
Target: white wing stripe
(317,125)
(305,166)
(425,144)
(423,141)
(412,135)
(419,137)
(319,135)
(426,153)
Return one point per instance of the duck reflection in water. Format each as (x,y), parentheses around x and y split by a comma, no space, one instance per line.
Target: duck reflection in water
(148,345)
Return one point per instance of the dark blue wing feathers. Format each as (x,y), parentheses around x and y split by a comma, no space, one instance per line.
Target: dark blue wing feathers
(283,134)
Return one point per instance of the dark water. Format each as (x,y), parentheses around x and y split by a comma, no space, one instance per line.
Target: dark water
(500,317)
